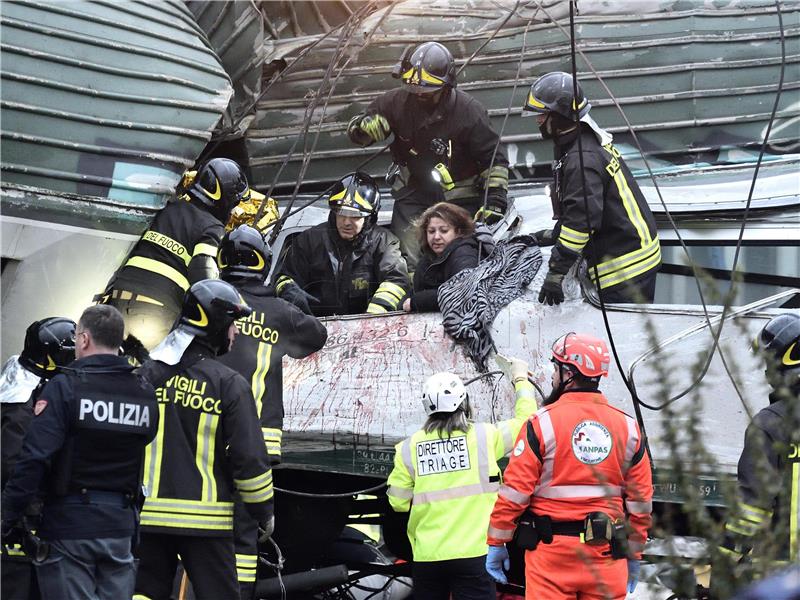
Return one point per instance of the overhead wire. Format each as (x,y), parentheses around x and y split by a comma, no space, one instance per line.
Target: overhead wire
(590,229)
(288,210)
(345,39)
(510,101)
(715,345)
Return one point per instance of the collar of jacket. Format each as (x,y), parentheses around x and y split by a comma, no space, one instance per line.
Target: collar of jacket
(446,106)
(456,243)
(567,142)
(251,286)
(578,395)
(104,361)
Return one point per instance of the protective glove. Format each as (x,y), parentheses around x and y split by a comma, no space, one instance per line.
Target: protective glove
(633,574)
(519,369)
(545,237)
(551,292)
(497,560)
(496,206)
(265,529)
(376,127)
(299,297)
(513,368)
(12,532)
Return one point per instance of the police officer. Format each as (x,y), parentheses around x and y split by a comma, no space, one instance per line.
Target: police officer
(444,147)
(85,448)
(348,265)
(49,344)
(579,465)
(209,446)
(446,475)
(624,244)
(273,330)
(769,469)
(178,249)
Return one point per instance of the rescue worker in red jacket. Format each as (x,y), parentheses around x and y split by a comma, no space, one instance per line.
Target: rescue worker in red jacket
(444,146)
(578,467)
(178,249)
(624,244)
(273,330)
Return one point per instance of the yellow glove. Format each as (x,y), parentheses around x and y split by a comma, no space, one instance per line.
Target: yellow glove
(376,127)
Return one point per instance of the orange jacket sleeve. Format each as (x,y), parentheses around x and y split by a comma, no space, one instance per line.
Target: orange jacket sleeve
(638,496)
(519,481)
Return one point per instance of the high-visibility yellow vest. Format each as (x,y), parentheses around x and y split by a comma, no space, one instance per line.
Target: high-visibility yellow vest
(450,484)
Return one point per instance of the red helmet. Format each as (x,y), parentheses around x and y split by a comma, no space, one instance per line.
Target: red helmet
(585,353)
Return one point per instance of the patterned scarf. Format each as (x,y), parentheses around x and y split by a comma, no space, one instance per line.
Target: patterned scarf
(471,299)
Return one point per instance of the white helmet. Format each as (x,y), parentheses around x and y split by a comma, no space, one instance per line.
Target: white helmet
(443,393)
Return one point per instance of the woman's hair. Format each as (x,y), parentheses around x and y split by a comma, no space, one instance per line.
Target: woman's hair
(446,423)
(451,214)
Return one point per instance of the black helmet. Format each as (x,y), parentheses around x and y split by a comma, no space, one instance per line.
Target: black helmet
(430,68)
(209,308)
(780,338)
(553,92)
(49,343)
(220,185)
(244,254)
(355,195)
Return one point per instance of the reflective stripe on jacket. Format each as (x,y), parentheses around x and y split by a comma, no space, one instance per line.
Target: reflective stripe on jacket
(573,457)
(476,161)
(768,511)
(625,244)
(274,329)
(367,275)
(450,484)
(209,444)
(158,265)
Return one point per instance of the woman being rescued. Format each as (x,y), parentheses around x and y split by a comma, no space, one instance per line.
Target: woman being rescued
(449,243)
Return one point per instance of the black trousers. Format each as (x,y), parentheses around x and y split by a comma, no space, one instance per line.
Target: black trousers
(18,579)
(464,578)
(245,540)
(208,561)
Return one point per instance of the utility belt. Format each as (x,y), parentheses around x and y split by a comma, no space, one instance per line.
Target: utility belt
(121,499)
(597,529)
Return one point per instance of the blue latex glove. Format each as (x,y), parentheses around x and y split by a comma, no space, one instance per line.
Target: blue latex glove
(633,574)
(497,560)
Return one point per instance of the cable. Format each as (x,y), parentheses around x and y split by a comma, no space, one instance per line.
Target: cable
(715,345)
(345,38)
(277,566)
(209,149)
(508,108)
(590,229)
(375,488)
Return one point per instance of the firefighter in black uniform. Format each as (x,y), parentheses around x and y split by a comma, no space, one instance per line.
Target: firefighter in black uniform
(209,445)
(348,265)
(624,243)
(444,147)
(85,448)
(761,532)
(49,344)
(178,249)
(273,330)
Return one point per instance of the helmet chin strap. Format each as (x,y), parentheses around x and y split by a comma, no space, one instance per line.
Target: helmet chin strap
(557,391)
